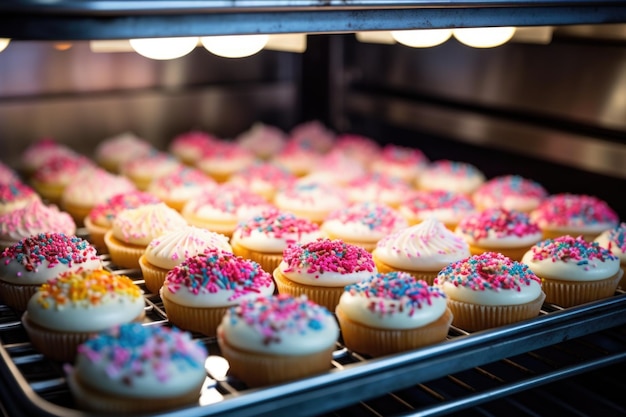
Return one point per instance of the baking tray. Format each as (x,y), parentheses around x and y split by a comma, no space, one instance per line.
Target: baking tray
(33,385)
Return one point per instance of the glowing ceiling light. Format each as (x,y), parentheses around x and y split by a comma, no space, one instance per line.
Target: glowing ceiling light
(484,37)
(164,48)
(421,38)
(4,42)
(234,46)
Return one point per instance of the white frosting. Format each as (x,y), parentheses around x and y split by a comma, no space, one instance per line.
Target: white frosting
(444,215)
(572,269)
(326,279)
(204,298)
(95,186)
(318,198)
(14,272)
(355,231)
(357,307)
(492,240)
(261,241)
(427,246)
(140,225)
(510,202)
(33,219)
(492,297)
(605,241)
(173,247)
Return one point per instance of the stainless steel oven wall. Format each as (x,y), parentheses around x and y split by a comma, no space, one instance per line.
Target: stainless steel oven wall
(80,97)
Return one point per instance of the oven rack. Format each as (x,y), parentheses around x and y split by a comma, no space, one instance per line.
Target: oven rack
(460,373)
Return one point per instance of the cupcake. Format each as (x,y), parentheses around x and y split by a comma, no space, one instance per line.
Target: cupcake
(391,313)
(187,147)
(335,168)
(454,176)
(222,208)
(574,271)
(144,169)
(68,309)
(90,188)
(446,206)
(197,293)
(270,340)
(224,159)
(321,269)
(101,216)
(135,369)
(400,162)
(574,214)
(32,261)
(363,224)
(511,192)
(165,252)
(312,134)
(33,219)
(180,186)
(312,201)
(297,159)
(378,188)
(263,140)
(264,237)
(16,195)
(8,174)
(51,178)
(615,241)
(264,179)
(420,250)
(508,232)
(114,151)
(37,153)
(134,229)
(490,290)
(359,147)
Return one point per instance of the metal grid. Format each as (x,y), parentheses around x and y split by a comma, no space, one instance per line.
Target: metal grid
(468,374)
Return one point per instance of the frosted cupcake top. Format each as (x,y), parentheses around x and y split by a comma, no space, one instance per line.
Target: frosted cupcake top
(401,162)
(181,185)
(272,230)
(139,361)
(95,186)
(312,134)
(576,213)
(364,222)
(326,263)
(189,146)
(378,187)
(121,148)
(489,279)
(33,219)
(225,157)
(104,213)
(153,165)
(336,168)
(362,148)
(502,228)
(61,169)
(446,206)
(86,301)
(138,226)
(511,192)
(39,152)
(38,258)
(427,246)
(263,140)
(216,278)
(16,195)
(571,259)
(7,174)
(280,325)
(615,241)
(455,176)
(263,178)
(316,199)
(173,247)
(394,300)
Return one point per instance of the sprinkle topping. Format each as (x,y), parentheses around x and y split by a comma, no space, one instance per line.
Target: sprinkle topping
(567,209)
(325,255)
(568,249)
(115,204)
(279,224)
(512,185)
(377,217)
(13,191)
(438,199)
(500,222)
(617,237)
(487,271)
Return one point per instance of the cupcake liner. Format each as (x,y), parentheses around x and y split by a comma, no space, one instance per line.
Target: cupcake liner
(96,234)
(55,344)
(17,296)
(122,255)
(77,212)
(153,276)
(88,398)
(49,192)
(383,268)
(194,319)
(324,296)
(473,317)
(379,342)
(553,234)
(256,369)
(515,254)
(268,261)
(571,293)
(622,281)
(225,228)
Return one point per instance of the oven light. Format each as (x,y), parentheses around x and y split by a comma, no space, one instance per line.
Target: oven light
(164,48)
(4,42)
(421,38)
(488,37)
(234,46)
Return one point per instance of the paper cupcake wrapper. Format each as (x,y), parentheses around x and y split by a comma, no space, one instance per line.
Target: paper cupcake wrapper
(17,296)
(77,212)
(96,234)
(553,234)
(572,293)
(622,282)
(515,254)
(268,261)
(324,296)
(153,276)
(379,342)
(256,369)
(91,399)
(194,319)
(428,276)
(57,345)
(473,317)
(122,255)
(225,228)
(50,192)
